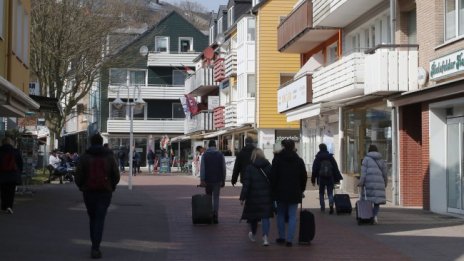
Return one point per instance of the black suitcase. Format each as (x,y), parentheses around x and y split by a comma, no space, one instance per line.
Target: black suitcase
(202,209)
(342,204)
(307,227)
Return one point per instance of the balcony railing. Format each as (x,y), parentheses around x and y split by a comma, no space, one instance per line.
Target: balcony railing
(295,93)
(231,64)
(171,59)
(246,111)
(219,70)
(219,121)
(231,115)
(203,77)
(201,122)
(145,126)
(300,19)
(391,68)
(151,91)
(339,13)
(339,80)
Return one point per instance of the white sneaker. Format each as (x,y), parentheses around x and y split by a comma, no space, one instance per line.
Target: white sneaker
(265,241)
(251,237)
(376,221)
(9,211)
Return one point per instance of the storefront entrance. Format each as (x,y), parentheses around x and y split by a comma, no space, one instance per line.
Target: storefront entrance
(454,164)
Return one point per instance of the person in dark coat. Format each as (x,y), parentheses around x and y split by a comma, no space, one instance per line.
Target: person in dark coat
(97,200)
(256,194)
(10,173)
(325,182)
(288,180)
(242,161)
(213,175)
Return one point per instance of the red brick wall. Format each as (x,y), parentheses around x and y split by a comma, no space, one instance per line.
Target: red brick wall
(411,157)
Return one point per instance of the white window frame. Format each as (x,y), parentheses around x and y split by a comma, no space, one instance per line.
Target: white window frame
(167,43)
(220,26)
(457,17)
(2,19)
(191,44)
(127,76)
(26,39)
(230,17)
(18,35)
(367,35)
(211,35)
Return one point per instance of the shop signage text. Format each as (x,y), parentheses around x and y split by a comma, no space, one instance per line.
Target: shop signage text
(447,65)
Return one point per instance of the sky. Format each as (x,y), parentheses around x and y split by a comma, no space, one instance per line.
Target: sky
(209,4)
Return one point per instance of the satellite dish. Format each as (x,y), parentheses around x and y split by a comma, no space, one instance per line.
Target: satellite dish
(143,50)
(208,53)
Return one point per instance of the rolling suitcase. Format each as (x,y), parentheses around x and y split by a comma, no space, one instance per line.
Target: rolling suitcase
(342,204)
(307,226)
(364,213)
(202,209)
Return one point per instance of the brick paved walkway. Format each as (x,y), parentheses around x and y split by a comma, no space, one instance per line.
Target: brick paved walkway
(153,222)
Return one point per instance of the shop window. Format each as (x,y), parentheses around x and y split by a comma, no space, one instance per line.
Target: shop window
(363,127)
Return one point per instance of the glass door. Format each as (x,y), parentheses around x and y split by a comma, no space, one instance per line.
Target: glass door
(454,165)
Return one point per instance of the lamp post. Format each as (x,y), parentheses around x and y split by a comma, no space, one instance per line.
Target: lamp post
(118,104)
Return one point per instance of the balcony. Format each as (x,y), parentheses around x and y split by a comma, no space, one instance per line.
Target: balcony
(200,122)
(296,34)
(231,64)
(145,126)
(158,92)
(219,70)
(200,83)
(218,114)
(295,93)
(246,111)
(340,80)
(391,68)
(231,115)
(171,59)
(340,13)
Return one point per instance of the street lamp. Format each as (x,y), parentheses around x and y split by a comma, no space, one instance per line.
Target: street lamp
(137,102)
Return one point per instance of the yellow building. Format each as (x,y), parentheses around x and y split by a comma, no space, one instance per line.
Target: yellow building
(14,59)
(272,70)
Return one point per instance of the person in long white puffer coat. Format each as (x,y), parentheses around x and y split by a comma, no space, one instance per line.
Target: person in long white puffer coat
(374,179)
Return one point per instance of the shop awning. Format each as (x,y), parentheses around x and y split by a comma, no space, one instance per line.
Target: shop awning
(180,138)
(46,104)
(13,101)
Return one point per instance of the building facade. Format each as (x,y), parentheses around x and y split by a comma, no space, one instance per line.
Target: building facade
(152,67)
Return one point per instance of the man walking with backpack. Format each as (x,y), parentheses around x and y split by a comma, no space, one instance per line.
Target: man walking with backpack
(325,171)
(97,175)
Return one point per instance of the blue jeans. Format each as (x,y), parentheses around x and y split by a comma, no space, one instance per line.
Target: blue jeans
(265,223)
(213,189)
(97,204)
(291,209)
(323,184)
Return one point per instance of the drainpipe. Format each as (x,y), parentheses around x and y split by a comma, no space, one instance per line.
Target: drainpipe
(395,155)
(394,119)
(392,20)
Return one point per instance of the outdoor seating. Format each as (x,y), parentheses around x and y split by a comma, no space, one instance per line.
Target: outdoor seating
(53,174)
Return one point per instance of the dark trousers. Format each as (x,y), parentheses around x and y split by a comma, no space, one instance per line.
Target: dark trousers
(323,185)
(213,190)
(97,204)
(7,194)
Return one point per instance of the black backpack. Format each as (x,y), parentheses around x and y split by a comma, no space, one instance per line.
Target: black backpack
(326,169)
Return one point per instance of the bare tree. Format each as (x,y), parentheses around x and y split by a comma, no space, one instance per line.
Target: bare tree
(66,49)
(195,13)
